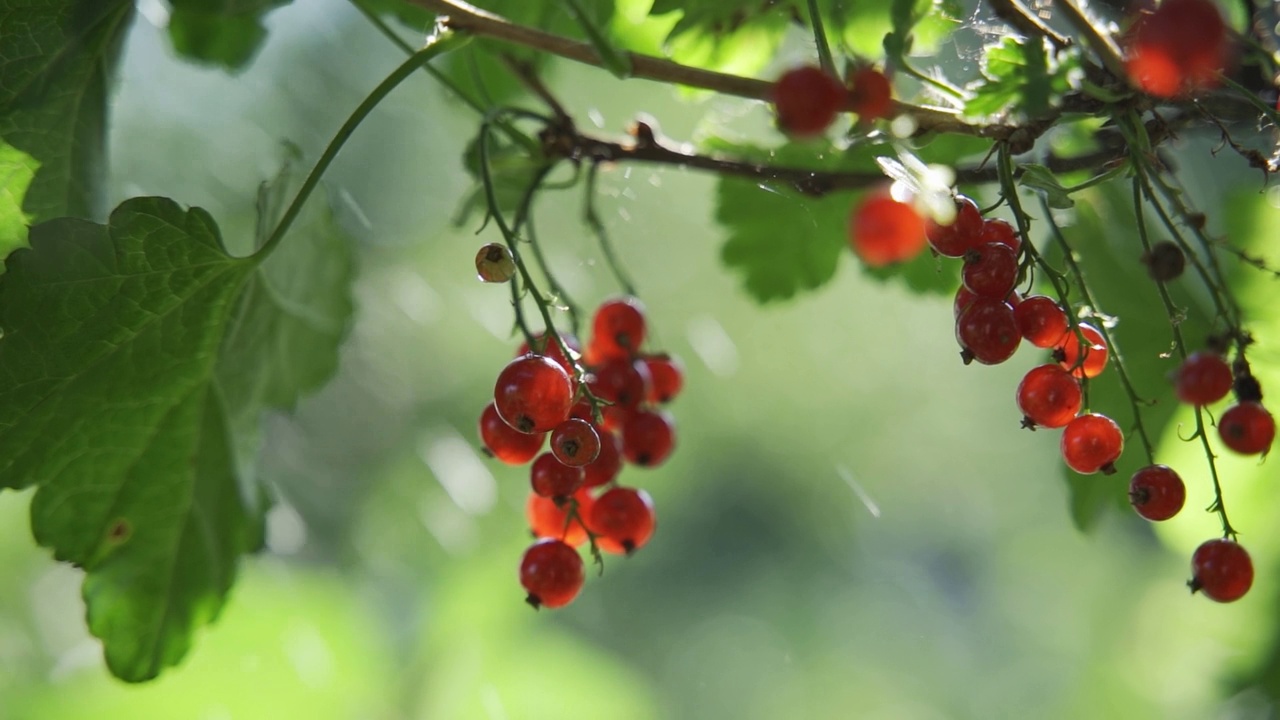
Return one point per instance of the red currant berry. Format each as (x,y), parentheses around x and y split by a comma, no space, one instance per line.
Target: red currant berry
(1091,443)
(1095,353)
(544,344)
(961,235)
(648,438)
(605,468)
(618,329)
(549,520)
(1247,428)
(622,381)
(552,573)
(533,394)
(807,101)
(884,231)
(575,442)
(1156,492)
(553,479)
(1203,378)
(996,230)
(1222,570)
(666,375)
(1048,396)
(964,296)
(1180,48)
(622,519)
(990,271)
(870,94)
(987,331)
(1041,321)
(504,442)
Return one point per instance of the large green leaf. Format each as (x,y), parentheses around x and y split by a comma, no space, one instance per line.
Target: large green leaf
(221,32)
(136,361)
(56,57)
(1023,76)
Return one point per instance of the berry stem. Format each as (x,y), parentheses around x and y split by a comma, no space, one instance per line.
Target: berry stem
(440,42)
(1141,190)
(592,218)
(524,217)
(825,60)
(1009,192)
(1117,357)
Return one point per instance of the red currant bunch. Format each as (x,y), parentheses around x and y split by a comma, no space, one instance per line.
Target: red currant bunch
(600,407)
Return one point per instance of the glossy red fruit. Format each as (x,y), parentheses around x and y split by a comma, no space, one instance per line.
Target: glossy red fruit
(1048,396)
(648,438)
(807,101)
(1157,492)
(544,344)
(990,270)
(1042,321)
(622,519)
(964,296)
(962,235)
(533,394)
(618,329)
(1094,352)
(996,230)
(1203,378)
(987,331)
(870,94)
(551,478)
(549,520)
(1178,49)
(1222,570)
(621,381)
(605,468)
(1247,428)
(551,571)
(505,443)
(883,231)
(575,442)
(1092,443)
(666,376)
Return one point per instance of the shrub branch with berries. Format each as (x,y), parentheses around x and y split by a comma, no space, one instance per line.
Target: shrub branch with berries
(1040,187)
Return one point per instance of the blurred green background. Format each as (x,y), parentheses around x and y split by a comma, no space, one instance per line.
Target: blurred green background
(852,526)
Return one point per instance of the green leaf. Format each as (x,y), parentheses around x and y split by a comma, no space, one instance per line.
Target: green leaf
(16,172)
(219,32)
(611,58)
(282,341)
(111,334)
(414,17)
(1042,180)
(56,57)
(781,241)
(1021,76)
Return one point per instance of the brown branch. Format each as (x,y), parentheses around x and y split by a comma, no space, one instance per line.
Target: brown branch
(459,15)
(1022,20)
(564,141)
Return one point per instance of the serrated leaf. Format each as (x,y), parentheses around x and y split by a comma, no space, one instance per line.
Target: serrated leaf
(219,32)
(111,334)
(56,57)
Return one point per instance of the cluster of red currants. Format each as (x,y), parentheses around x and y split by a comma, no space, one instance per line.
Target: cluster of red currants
(600,408)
